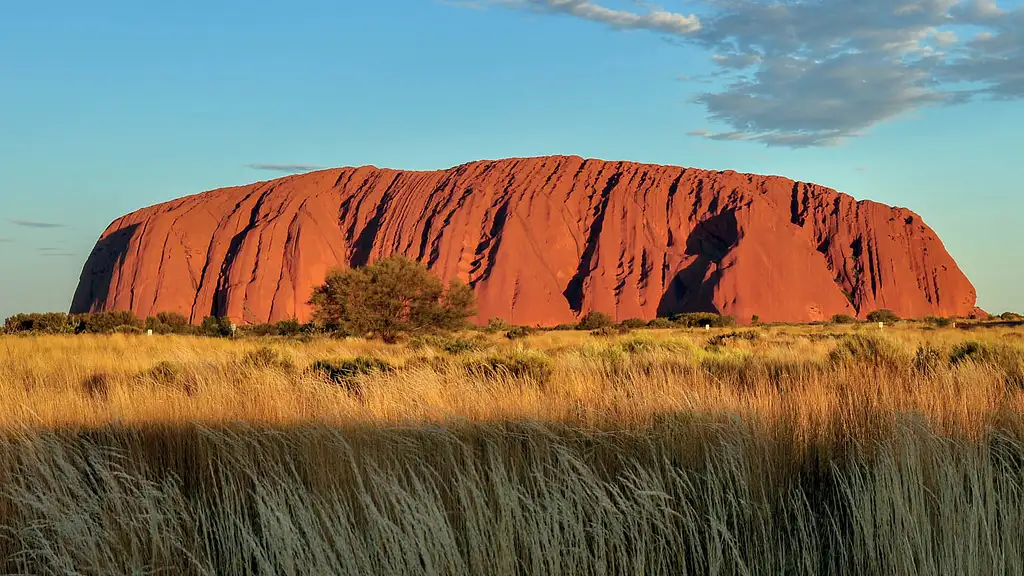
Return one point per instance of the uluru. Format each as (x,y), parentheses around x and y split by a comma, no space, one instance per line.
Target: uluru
(542,241)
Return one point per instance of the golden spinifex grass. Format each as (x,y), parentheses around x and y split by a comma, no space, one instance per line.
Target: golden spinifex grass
(769,451)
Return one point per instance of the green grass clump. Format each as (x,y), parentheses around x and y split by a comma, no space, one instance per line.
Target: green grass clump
(517,364)
(871,349)
(345,373)
(266,358)
(1007,358)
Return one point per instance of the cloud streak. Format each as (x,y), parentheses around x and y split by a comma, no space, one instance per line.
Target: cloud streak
(810,73)
(287,168)
(655,19)
(34,224)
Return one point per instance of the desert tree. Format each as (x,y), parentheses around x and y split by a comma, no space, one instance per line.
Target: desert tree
(390,297)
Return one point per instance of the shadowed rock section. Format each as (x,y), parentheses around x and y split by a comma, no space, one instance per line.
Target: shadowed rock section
(540,240)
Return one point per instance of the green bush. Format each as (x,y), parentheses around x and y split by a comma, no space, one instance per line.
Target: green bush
(660,324)
(703,320)
(633,323)
(49,323)
(883,315)
(870,349)
(843,319)
(169,323)
(724,339)
(565,327)
(938,321)
(1005,357)
(216,327)
(595,320)
(389,298)
(496,325)
(109,322)
(518,364)
(611,330)
(346,372)
(518,332)
(266,358)
(1011,317)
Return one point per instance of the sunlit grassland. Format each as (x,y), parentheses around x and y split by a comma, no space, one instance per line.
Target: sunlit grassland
(776,450)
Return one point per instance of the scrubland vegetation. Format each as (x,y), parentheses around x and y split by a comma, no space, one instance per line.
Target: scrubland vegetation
(836,449)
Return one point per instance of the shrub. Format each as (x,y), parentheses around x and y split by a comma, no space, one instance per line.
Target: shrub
(346,373)
(1011,317)
(595,320)
(883,315)
(660,324)
(266,358)
(633,323)
(928,359)
(611,330)
(518,364)
(462,345)
(939,321)
(871,349)
(216,327)
(518,332)
(391,297)
(755,319)
(1005,357)
(703,320)
(109,322)
(565,327)
(168,323)
(843,319)
(641,344)
(496,325)
(49,323)
(724,339)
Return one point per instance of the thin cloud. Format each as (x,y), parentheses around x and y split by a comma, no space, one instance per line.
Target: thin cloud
(6,240)
(289,168)
(810,73)
(655,19)
(57,254)
(33,224)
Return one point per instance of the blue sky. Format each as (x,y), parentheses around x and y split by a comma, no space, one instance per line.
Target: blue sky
(109,106)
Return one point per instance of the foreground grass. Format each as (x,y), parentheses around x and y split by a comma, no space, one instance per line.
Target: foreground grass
(796,451)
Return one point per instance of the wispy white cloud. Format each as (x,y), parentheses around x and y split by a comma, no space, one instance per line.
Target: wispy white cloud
(817,72)
(654,18)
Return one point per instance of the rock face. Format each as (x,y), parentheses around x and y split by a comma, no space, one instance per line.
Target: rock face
(541,241)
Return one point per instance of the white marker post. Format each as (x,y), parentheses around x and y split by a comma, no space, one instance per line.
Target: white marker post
(881,325)
(149,332)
